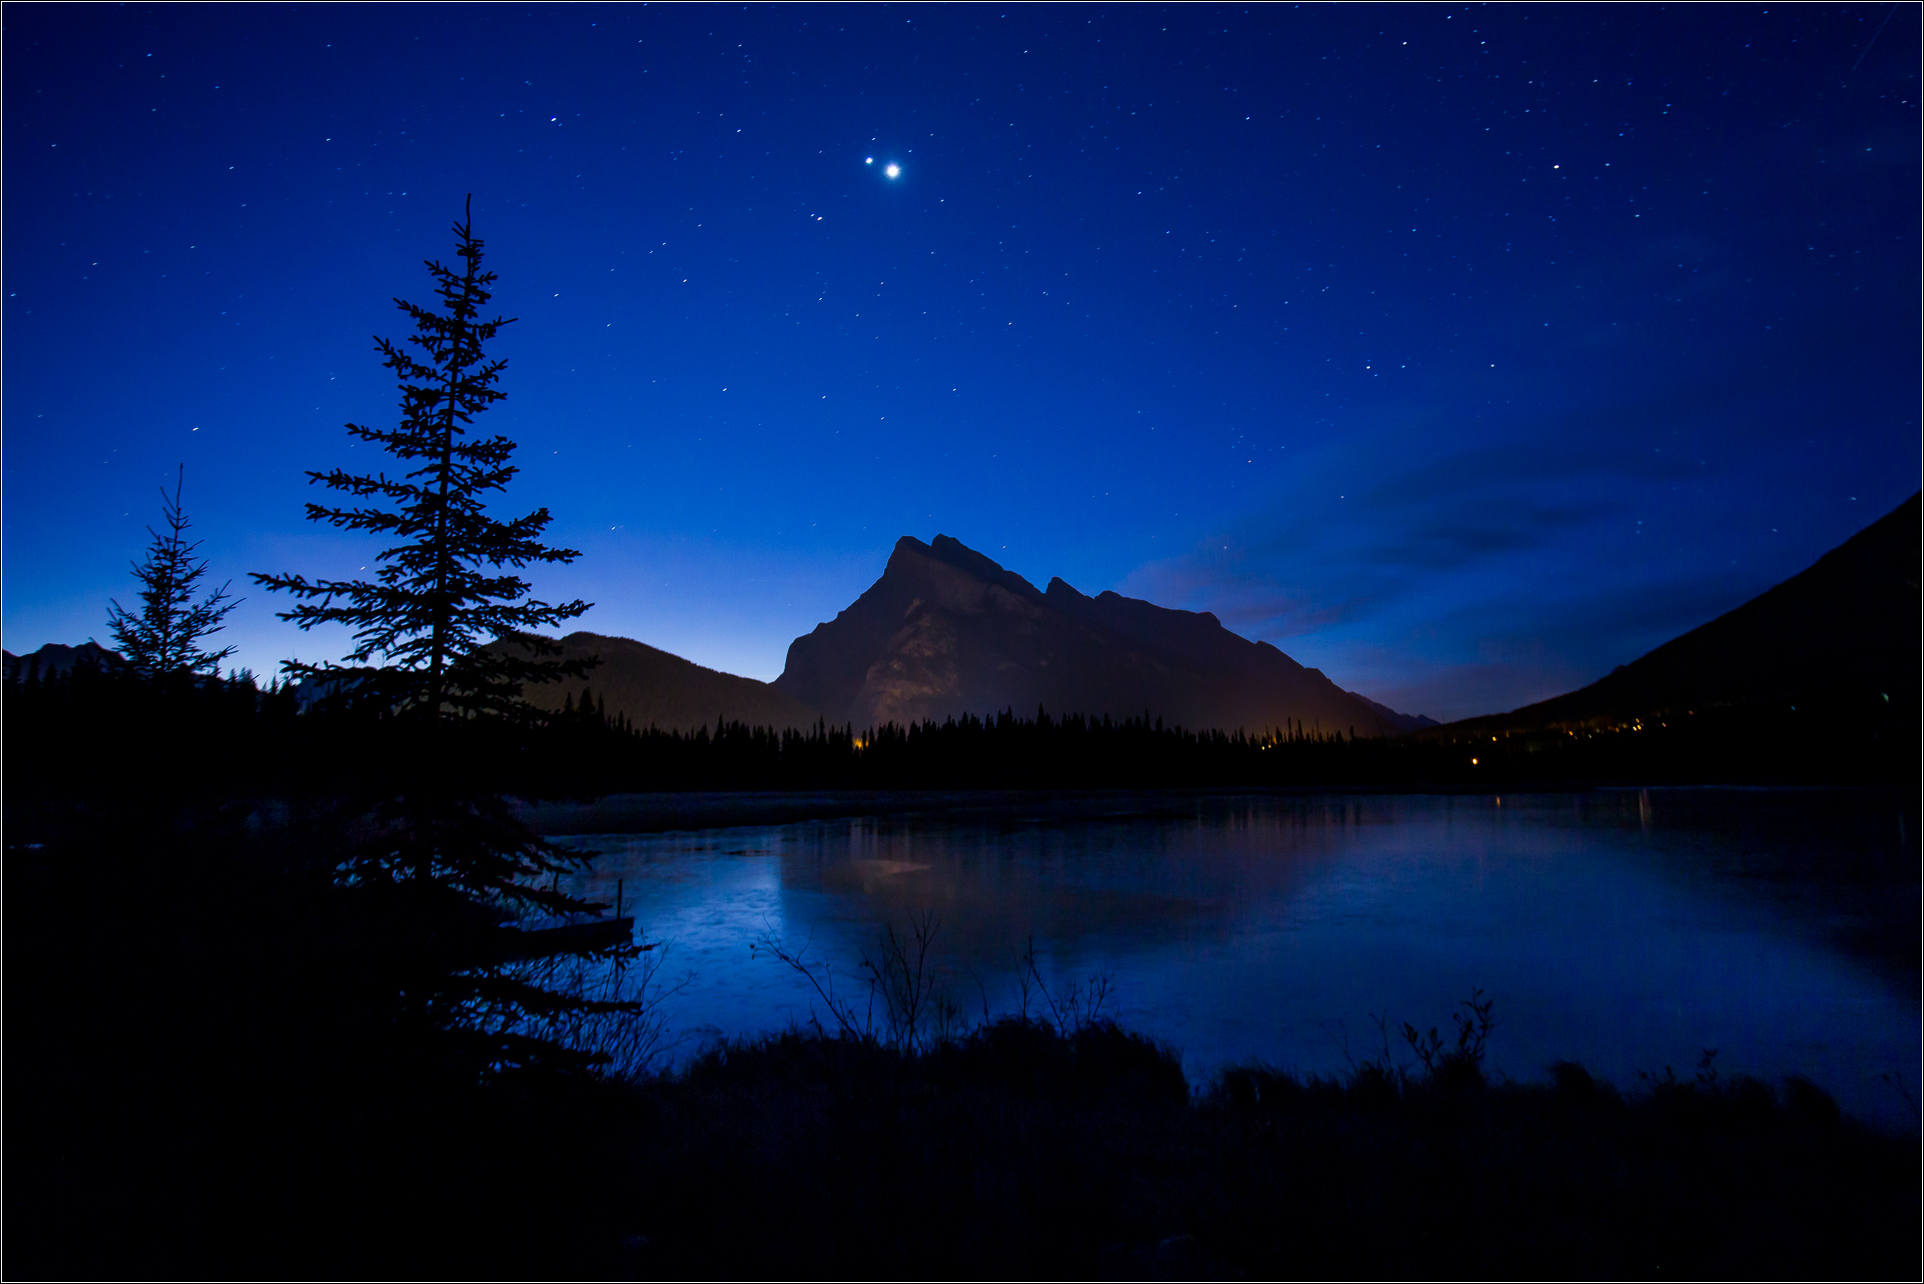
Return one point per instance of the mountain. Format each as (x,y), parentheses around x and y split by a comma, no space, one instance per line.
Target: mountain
(947,631)
(314,691)
(54,660)
(655,688)
(1842,633)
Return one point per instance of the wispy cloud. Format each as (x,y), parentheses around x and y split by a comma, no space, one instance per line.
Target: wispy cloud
(1443,585)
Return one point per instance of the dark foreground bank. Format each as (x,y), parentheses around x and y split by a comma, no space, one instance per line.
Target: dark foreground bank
(195,1088)
(205,1077)
(1023,1150)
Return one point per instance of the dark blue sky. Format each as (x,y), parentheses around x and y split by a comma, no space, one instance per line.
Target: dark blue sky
(1463,353)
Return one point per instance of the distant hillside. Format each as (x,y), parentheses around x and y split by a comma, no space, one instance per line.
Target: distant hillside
(654,688)
(1842,633)
(946,631)
(55,660)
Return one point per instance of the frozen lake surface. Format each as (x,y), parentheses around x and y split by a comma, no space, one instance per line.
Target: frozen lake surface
(1628,930)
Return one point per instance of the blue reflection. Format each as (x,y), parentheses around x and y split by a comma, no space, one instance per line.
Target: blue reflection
(1627,930)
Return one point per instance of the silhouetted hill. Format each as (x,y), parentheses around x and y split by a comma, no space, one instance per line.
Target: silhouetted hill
(655,688)
(1842,634)
(55,660)
(946,631)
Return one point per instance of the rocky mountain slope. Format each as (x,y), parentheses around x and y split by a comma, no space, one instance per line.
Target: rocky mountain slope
(947,631)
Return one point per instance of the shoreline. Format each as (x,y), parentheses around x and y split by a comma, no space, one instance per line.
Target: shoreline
(642,812)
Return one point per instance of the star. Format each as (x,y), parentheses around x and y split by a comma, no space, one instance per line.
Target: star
(893,171)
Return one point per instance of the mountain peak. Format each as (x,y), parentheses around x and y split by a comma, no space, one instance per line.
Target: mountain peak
(948,631)
(948,551)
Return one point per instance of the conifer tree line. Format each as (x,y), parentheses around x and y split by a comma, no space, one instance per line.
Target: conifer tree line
(589,751)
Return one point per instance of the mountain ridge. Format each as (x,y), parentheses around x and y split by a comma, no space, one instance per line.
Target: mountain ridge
(947,630)
(653,687)
(56,659)
(1846,627)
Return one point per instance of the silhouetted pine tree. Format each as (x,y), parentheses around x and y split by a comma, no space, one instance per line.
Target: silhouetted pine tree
(164,637)
(445,589)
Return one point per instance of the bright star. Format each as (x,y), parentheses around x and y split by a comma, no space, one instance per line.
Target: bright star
(893,171)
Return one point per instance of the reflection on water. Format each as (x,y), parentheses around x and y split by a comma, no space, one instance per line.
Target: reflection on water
(1628,930)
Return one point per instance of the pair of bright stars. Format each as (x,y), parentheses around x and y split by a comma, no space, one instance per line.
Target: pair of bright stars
(890,170)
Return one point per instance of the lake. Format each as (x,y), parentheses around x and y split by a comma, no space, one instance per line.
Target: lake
(1628,930)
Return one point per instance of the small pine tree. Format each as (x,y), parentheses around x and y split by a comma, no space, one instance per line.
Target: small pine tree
(163,638)
(445,589)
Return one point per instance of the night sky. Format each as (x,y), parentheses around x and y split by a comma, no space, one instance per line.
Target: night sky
(1464,353)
